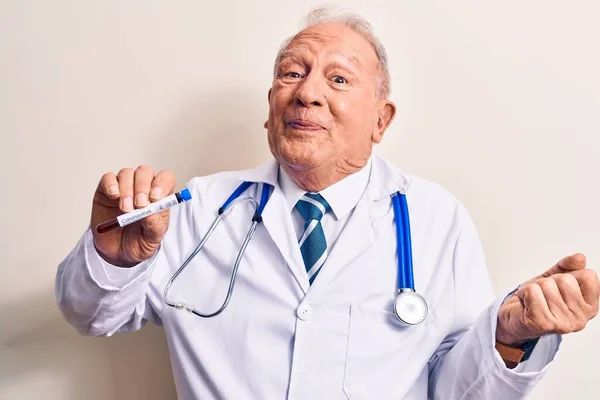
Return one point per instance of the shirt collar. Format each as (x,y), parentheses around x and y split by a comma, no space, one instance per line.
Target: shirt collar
(383,178)
(342,196)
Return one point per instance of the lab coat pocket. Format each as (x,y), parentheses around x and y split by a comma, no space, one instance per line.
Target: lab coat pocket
(384,358)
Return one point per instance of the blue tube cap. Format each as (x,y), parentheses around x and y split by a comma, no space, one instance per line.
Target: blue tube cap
(185,195)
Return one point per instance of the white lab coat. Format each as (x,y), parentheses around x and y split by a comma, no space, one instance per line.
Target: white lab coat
(337,339)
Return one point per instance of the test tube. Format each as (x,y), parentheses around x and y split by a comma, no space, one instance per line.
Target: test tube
(141,213)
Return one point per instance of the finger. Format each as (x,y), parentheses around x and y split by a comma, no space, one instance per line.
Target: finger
(155,226)
(554,299)
(163,185)
(589,285)
(141,185)
(125,178)
(533,301)
(570,293)
(514,298)
(109,186)
(570,263)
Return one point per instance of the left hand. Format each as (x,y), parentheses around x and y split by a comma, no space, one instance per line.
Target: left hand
(561,300)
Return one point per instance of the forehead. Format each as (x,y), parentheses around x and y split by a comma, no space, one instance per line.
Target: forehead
(334,39)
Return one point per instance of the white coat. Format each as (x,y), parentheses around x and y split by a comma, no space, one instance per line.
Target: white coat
(337,339)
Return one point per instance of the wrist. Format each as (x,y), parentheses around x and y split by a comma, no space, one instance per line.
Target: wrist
(113,261)
(512,356)
(504,336)
(506,332)
(509,340)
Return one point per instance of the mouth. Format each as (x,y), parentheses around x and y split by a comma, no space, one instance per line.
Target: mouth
(304,125)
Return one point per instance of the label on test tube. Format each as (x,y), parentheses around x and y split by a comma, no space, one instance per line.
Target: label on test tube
(136,215)
(153,208)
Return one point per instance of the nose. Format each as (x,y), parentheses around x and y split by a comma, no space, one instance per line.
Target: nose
(310,92)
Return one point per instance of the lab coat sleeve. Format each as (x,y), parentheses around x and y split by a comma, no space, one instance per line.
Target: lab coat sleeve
(466,365)
(100,299)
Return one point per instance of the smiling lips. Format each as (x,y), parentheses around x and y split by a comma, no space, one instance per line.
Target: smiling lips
(304,125)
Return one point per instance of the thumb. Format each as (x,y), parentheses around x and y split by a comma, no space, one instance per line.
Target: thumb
(567,264)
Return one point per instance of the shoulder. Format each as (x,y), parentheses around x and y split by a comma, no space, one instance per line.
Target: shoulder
(214,181)
(212,190)
(425,195)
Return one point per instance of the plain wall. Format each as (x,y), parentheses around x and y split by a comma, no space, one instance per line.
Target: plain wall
(498,101)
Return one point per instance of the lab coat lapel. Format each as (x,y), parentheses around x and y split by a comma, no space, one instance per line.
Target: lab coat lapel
(359,234)
(355,238)
(277,220)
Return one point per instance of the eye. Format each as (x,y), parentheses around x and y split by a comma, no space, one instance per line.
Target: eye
(340,79)
(294,75)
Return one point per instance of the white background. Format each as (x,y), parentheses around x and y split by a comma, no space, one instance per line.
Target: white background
(498,102)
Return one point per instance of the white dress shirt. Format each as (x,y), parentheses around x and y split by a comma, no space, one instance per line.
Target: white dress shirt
(336,339)
(342,197)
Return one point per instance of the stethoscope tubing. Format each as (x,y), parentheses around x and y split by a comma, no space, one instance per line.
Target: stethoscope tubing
(404,243)
(403,239)
(256,219)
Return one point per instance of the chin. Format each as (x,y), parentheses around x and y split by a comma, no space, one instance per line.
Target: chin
(302,160)
(299,153)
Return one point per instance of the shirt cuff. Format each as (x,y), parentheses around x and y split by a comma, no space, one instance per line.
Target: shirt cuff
(541,357)
(110,277)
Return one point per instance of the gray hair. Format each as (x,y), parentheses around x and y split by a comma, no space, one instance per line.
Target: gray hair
(358,24)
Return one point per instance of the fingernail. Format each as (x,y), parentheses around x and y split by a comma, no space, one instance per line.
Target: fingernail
(156,193)
(141,200)
(127,204)
(113,190)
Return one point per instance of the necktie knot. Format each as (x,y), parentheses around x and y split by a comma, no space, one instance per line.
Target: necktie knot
(312,206)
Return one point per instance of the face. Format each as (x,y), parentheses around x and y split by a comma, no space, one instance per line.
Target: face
(324,109)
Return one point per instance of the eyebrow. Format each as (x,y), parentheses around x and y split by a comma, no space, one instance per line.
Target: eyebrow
(352,59)
(295,55)
(349,69)
(290,55)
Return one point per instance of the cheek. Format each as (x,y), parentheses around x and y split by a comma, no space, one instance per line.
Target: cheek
(280,97)
(340,108)
(277,105)
(354,119)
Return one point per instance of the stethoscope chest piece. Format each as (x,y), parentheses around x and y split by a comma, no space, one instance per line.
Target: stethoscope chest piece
(410,307)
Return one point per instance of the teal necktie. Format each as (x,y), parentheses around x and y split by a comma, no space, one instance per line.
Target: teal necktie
(312,207)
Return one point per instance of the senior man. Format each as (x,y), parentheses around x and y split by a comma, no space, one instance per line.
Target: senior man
(311,312)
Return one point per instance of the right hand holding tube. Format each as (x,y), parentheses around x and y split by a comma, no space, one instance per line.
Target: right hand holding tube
(121,193)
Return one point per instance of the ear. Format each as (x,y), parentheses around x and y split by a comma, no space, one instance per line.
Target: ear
(266,124)
(386,111)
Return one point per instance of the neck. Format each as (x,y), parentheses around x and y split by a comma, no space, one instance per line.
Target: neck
(321,177)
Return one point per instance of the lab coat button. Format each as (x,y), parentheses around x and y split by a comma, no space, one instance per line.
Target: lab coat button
(304,312)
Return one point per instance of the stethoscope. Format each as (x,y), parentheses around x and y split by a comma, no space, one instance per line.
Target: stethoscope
(409,306)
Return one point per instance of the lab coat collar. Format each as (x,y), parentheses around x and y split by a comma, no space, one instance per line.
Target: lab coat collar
(385,179)
(264,173)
